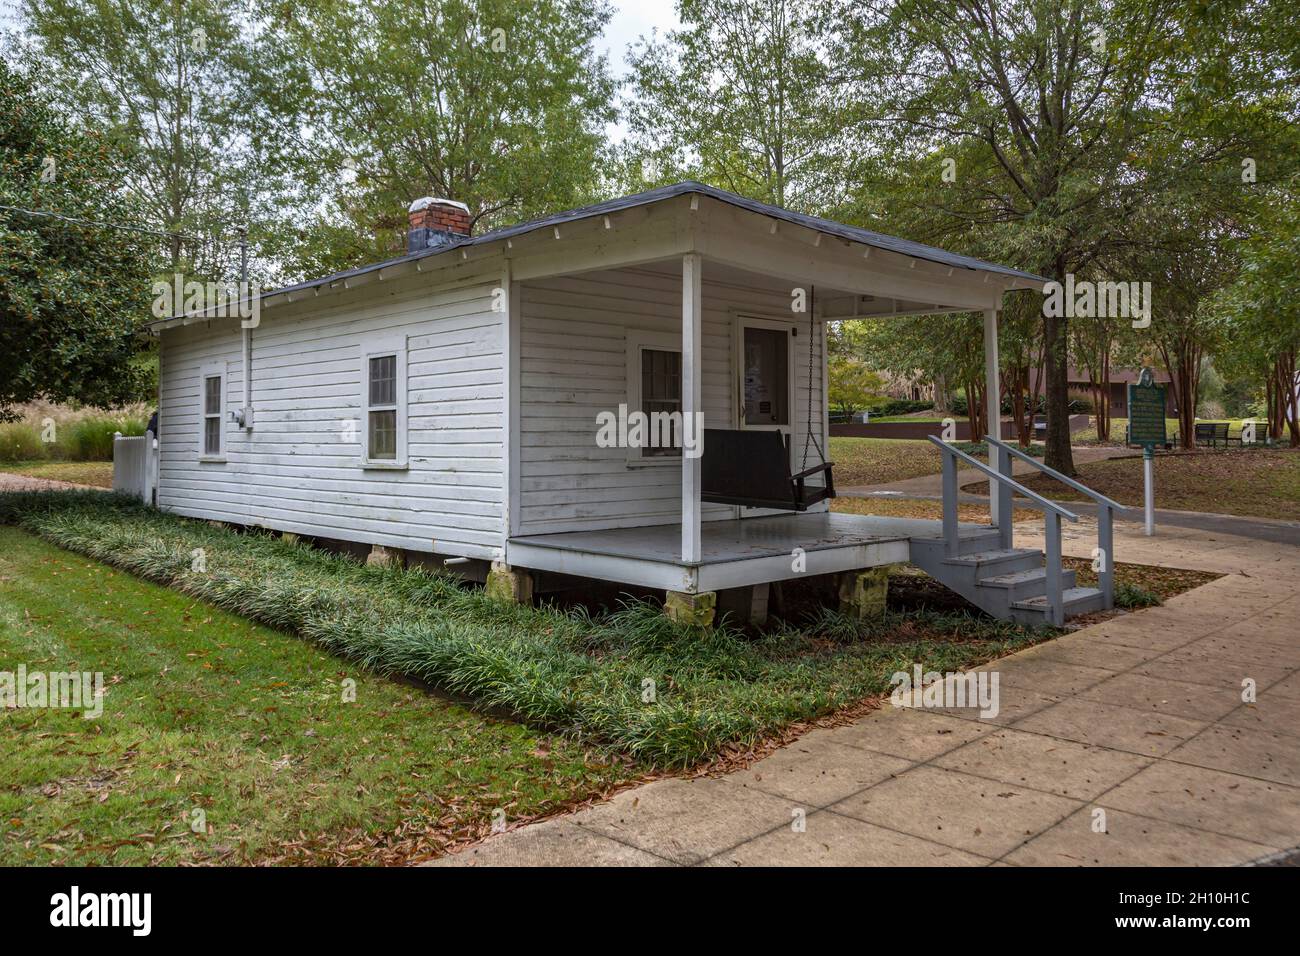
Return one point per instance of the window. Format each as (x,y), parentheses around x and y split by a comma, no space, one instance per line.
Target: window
(767,375)
(661,390)
(654,387)
(384,385)
(212,438)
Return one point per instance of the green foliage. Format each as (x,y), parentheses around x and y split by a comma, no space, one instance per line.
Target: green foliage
(91,439)
(20,441)
(70,296)
(740,96)
(1131,597)
(500,104)
(853,385)
(584,675)
(169,81)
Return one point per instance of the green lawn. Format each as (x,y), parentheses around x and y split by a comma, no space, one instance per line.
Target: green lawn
(878,461)
(1117,425)
(205,711)
(1254,482)
(716,690)
(98,474)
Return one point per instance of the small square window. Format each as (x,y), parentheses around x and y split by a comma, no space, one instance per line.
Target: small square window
(383,435)
(383,380)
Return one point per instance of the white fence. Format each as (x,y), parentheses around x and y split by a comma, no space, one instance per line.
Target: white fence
(135,466)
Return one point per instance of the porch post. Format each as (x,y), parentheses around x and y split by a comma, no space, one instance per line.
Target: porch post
(992,400)
(692,346)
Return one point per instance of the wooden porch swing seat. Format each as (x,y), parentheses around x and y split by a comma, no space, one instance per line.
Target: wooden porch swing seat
(752,468)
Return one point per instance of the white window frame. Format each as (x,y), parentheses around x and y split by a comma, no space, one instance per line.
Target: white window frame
(638,340)
(395,347)
(212,370)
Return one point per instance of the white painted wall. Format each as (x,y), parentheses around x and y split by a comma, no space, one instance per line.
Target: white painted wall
(573,365)
(297,470)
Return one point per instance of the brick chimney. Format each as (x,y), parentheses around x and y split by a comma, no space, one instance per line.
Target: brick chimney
(436,222)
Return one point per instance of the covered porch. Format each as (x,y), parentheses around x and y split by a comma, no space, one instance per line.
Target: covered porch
(731,333)
(735,553)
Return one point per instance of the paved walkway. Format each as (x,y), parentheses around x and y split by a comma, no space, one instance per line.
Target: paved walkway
(11,482)
(1139,717)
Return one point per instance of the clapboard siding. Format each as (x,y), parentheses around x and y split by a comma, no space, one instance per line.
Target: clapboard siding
(299,469)
(573,365)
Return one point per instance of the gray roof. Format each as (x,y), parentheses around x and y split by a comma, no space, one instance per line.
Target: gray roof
(866,237)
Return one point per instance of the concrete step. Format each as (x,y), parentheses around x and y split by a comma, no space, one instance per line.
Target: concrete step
(1076,601)
(986,564)
(1020,585)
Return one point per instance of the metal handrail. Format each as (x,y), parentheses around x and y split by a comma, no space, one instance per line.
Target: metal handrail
(1052,515)
(1053,473)
(1006,480)
(1106,508)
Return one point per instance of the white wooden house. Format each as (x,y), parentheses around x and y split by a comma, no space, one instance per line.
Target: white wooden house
(447,402)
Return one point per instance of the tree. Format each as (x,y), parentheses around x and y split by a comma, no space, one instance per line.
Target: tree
(500,104)
(931,344)
(70,295)
(740,97)
(853,385)
(170,81)
(1261,309)
(1043,107)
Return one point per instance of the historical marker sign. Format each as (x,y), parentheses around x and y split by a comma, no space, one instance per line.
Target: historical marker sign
(1146,412)
(1146,427)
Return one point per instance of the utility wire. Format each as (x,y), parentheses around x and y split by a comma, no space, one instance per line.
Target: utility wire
(104,225)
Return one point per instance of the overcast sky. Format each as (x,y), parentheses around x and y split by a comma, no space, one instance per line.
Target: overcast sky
(631,19)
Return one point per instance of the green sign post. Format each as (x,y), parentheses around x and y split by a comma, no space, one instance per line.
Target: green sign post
(1146,427)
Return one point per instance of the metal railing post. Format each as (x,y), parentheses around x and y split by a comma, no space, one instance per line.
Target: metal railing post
(950,533)
(1004,497)
(1052,543)
(1105,538)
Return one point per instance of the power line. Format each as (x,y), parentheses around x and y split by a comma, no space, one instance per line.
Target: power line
(104,225)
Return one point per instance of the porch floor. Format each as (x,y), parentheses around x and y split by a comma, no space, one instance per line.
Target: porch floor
(735,553)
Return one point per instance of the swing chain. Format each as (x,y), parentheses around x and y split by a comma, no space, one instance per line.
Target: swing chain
(809,437)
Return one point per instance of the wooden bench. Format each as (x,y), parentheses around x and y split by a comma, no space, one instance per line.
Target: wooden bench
(1261,435)
(1212,433)
(752,468)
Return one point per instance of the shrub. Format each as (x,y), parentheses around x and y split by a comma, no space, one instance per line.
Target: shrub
(899,406)
(1132,596)
(91,439)
(716,690)
(21,442)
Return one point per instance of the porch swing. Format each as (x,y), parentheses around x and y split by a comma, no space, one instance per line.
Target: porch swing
(752,468)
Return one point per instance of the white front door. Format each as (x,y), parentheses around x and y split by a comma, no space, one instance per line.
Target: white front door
(764,352)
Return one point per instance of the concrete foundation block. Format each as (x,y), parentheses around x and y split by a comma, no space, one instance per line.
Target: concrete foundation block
(863,593)
(513,585)
(385,557)
(696,610)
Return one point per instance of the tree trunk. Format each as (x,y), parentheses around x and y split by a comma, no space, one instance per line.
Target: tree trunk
(1057,453)
(1103,420)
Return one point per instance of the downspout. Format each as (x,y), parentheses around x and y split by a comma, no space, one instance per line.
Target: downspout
(247,328)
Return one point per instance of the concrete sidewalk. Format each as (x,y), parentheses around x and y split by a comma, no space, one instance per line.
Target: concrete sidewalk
(1138,720)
